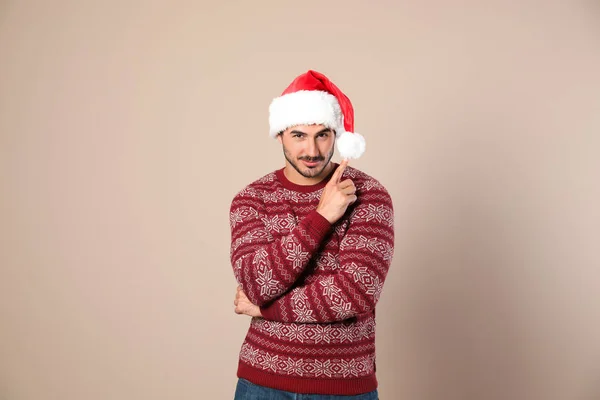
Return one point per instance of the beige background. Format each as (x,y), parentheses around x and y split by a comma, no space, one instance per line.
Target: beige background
(126,128)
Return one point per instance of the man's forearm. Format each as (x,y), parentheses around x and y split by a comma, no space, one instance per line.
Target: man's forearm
(354,288)
(267,267)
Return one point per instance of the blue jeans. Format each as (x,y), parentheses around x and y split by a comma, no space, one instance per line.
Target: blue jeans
(247,390)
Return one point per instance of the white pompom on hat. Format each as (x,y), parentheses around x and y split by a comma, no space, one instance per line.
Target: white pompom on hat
(313,99)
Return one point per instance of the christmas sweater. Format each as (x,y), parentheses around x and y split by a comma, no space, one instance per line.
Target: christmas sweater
(316,283)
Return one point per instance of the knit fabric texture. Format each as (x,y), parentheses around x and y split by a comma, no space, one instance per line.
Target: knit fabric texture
(316,283)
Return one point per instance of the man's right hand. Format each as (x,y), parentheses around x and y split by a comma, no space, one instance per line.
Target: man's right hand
(337,196)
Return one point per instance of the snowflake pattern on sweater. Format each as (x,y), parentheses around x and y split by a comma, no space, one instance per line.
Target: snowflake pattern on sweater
(317,284)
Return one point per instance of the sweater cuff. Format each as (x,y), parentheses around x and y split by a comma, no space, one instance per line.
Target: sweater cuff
(270,312)
(317,224)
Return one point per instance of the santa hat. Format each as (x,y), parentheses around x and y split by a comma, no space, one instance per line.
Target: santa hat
(313,99)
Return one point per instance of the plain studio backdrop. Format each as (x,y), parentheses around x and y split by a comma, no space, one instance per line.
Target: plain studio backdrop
(127,127)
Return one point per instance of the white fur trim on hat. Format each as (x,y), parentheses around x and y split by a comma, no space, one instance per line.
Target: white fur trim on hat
(350,145)
(304,107)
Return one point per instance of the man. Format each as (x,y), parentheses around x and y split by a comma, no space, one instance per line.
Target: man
(311,245)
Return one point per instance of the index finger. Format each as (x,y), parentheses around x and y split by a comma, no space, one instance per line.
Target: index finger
(335,178)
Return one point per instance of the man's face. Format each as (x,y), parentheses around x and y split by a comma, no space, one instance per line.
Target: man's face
(308,148)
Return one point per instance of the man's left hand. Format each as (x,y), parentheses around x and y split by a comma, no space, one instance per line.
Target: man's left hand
(243,305)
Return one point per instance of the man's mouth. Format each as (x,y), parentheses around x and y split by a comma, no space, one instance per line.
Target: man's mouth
(311,163)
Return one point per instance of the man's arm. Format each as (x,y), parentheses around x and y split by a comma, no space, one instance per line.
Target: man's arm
(266,267)
(365,255)
(263,266)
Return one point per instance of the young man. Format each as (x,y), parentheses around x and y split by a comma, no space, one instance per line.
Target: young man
(311,245)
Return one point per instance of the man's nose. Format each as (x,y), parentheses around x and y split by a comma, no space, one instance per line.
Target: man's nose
(312,149)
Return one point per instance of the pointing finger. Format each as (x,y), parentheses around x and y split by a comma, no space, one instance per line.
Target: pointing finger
(339,172)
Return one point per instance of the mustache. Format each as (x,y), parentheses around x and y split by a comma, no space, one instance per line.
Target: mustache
(311,159)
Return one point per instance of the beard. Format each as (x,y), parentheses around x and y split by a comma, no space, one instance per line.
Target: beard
(306,171)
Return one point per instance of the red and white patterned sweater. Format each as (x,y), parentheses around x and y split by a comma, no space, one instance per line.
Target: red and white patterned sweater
(317,284)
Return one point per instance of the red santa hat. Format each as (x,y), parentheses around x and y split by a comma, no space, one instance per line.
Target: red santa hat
(313,99)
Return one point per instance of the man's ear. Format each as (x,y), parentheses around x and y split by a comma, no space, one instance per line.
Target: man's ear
(280,137)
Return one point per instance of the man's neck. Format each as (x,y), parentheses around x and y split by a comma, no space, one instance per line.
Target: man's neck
(295,177)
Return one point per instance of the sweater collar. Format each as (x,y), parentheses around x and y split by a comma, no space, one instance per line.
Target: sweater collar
(303,188)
